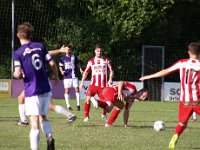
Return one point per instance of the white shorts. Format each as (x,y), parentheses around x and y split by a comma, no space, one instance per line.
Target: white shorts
(37,105)
(69,83)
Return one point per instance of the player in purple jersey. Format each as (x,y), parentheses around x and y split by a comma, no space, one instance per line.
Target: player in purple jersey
(57,108)
(69,67)
(30,61)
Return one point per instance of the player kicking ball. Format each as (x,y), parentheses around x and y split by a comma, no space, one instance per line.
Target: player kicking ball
(189,70)
(119,96)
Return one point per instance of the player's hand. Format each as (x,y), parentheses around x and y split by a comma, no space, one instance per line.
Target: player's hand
(141,79)
(120,97)
(62,49)
(144,78)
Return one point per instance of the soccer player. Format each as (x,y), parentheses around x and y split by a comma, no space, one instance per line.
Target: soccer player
(57,108)
(69,66)
(98,66)
(32,58)
(119,96)
(189,70)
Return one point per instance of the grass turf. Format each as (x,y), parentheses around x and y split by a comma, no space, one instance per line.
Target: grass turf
(92,135)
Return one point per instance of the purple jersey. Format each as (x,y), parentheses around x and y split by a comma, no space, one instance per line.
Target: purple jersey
(32,58)
(70,66)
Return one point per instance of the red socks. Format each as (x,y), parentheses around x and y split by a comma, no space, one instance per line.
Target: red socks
(86,109)
(113,116)
(179,129)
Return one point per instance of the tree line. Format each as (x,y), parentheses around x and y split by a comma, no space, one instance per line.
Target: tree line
(122,26)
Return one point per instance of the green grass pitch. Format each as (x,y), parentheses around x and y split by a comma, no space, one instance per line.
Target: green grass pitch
(92,135)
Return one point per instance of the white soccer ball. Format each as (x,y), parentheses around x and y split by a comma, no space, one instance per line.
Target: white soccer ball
(159,125)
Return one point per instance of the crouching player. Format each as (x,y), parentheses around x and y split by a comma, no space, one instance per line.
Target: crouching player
(119,96)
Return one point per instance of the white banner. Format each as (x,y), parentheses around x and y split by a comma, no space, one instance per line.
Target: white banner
(171,91)
(5,88)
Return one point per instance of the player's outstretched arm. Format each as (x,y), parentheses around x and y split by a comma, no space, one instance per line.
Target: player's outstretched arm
(57,51)
(155,75)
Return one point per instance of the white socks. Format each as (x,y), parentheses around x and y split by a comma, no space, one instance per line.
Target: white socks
(67,99)
(61,110)
(77,99)
(22,115)
(34,139)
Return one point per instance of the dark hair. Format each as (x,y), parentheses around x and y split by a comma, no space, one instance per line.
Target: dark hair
(68,45)
(98,46)
(25,30)
(194,48)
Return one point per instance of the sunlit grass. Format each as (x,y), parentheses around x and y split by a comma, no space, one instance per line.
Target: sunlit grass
(92,135)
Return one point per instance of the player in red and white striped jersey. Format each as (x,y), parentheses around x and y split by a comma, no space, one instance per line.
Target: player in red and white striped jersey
(189,70)
(119,96)
(98,66)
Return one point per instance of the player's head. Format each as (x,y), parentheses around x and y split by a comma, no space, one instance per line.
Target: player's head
(141,95)
(98,50)
(68,48)
(25,31)
(194,48)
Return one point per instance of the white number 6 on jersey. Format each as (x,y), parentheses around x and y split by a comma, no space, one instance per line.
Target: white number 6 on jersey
(37,63)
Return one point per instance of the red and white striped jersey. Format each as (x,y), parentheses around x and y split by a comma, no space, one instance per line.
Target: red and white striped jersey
(128,89)
(99,68)
(189,70)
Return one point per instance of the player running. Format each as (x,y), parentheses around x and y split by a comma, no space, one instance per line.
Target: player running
(189,70)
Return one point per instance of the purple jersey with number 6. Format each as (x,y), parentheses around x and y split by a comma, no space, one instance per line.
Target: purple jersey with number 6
(32,58)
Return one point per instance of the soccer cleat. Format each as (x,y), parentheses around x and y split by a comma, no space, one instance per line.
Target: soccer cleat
(21,123)
(70,108)
(78,108)
(71,119)
(94,102)
(108,125)
(86,119)
(105,118)
(173,141)
(50,144)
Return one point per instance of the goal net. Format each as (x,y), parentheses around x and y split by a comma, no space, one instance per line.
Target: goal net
(153,61)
